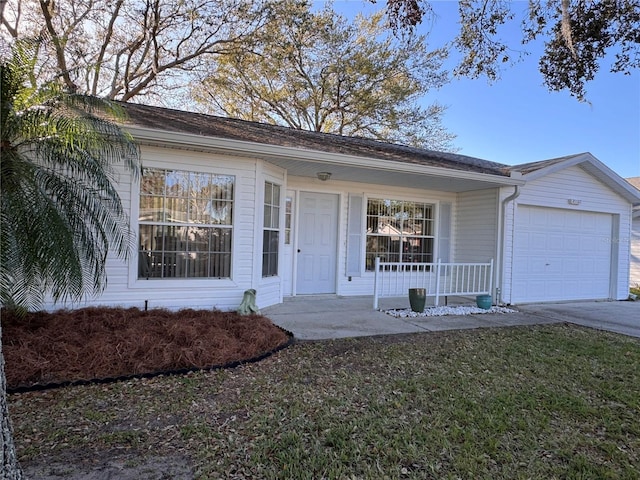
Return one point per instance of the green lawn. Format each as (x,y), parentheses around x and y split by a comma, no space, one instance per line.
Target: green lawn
(553,401)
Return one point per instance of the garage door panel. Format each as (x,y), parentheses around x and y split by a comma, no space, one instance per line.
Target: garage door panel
(569,242)
(572,223)
(536,265)
(555,220)
(560,254)
(571,266)
(553,242)
(534,287)
(535,242)
(523,239)
(552,266)
(590,245)
(601,265)
(552,287)
(593,224)
(589,269)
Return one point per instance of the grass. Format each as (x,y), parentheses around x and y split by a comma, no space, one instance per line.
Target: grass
(554,401)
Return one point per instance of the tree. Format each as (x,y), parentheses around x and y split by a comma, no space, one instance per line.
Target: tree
(60,212)
(315,71)
(121,49)
(579,35)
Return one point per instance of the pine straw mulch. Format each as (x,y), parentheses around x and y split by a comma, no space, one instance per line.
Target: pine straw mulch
(104,343)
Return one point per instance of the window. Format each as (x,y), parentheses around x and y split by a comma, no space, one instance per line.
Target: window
(399,231)
(271,230)
(185,224)
(288,212)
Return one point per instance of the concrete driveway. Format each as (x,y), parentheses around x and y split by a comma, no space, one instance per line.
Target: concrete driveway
(329,316)
(619,317)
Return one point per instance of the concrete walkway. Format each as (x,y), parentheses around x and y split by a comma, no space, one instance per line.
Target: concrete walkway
(325,317)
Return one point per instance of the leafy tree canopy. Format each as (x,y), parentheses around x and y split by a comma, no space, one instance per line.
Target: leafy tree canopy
(578,35)
(318,72)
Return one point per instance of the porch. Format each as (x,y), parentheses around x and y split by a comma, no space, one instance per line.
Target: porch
(320,317)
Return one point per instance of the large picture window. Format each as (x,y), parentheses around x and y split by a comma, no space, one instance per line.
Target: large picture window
(185,224)
(271,232)
(399,231)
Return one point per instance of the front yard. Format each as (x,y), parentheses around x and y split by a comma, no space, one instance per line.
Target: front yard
(554,401)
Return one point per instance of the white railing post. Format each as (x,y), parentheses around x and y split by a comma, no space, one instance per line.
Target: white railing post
(491,277)
(437,300)
(375,283)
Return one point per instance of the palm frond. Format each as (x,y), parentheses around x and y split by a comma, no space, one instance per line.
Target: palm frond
(62,155)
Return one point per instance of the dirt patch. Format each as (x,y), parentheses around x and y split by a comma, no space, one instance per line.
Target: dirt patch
(101,343)
(123,468)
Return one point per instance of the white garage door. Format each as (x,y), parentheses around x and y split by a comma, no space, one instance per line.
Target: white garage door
(561,255)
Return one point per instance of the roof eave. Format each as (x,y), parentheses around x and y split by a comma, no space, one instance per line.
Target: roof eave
(266,151)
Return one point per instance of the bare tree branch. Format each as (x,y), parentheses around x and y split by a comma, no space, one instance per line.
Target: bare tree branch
(47,13)
(121,49)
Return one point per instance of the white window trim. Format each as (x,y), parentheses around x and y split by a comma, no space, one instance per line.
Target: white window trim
(160,284)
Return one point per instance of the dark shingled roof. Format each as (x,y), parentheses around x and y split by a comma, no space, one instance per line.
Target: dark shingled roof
(525,168)
(212,126)
(635,181)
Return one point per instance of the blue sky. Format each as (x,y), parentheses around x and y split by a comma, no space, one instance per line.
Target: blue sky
(517,120)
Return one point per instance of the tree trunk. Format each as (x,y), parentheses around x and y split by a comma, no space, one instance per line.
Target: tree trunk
(8,459)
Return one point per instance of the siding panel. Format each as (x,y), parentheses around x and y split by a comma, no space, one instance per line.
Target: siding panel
(476,226)
(635,253)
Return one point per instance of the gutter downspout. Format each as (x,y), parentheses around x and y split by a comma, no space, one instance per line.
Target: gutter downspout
(500,269)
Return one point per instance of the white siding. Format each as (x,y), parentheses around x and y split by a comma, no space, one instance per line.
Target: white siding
(556,190)
(476,222)
(125,289)
(635,252)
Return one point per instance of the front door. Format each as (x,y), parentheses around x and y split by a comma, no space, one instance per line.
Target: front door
(317,243)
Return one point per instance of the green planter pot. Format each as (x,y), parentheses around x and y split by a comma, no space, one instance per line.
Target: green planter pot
(484,301)
(417,299)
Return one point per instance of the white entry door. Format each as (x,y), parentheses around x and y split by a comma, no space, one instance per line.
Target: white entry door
(561,254)
(317,243)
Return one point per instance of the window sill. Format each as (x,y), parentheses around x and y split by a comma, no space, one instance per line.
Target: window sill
(182,283)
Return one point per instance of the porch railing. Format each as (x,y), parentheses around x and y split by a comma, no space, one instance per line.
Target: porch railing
(394,279)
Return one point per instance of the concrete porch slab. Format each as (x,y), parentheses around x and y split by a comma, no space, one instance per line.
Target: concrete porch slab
(320,317)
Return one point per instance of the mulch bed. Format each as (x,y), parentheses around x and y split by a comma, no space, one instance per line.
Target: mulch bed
(100,343)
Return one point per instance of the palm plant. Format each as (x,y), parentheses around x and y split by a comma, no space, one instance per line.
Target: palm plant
(61,213)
